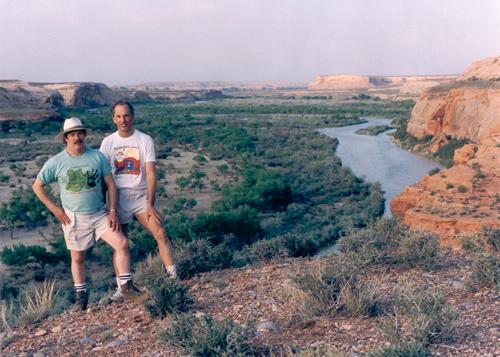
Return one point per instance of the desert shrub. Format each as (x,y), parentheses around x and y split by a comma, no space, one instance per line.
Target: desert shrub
(434,171)
(387,242)
(485,273)
(204,336)
(243,222)
(169,296)
(332,287)
(23,209)
(421,317)
(4,177)
(322,351)
(199,256)
(445,153)
(265,250)
(418,249)
(486,239)
(20,255)
(492,237)
(199,158)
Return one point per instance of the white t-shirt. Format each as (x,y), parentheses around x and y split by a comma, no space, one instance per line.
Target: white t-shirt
(128,157)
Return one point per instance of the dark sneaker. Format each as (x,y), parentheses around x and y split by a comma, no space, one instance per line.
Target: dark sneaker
(82,300)
(131,293)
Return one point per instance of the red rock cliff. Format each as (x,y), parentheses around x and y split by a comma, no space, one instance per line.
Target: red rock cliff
(467,196)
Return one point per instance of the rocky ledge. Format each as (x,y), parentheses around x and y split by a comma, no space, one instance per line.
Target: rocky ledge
(259,293)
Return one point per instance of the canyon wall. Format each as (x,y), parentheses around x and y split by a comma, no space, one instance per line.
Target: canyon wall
(466,196)
(407,85)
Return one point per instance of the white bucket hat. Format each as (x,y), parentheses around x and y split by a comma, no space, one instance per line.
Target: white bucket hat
(72,124)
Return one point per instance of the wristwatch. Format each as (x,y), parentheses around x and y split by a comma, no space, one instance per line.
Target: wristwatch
(112,210)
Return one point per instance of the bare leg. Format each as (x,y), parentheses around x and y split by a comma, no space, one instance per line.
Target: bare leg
(124,228)
(121,257)
(78,266)
(164,246)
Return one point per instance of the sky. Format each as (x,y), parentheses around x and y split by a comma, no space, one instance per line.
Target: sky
(121,42)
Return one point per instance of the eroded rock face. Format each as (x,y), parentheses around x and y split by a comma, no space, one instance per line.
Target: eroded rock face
(464,154)
(470,113)
(485,69)
(408,85)
(457,200)
(84,94)
(466,196)
(19,94)
(340,82)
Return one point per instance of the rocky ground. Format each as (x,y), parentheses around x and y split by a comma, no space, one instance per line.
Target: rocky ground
(260,293)
(462,198)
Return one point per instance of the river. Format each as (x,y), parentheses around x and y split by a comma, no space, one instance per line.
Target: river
(377,159)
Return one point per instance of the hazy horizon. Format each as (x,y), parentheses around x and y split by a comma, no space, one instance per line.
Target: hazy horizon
(124,42)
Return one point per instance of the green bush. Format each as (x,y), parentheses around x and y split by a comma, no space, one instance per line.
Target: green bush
(168,295)
(199,256)
(434,171)
(446,152)
(20,255)
(23,209)
(204,336)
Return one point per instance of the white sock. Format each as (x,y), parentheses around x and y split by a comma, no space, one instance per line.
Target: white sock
(118,283)
(124,278)
(172,270)
(81,287)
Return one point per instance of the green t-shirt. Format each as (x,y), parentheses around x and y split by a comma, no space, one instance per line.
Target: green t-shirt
(79,178)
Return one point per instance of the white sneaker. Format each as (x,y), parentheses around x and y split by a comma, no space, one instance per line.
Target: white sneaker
(117,296)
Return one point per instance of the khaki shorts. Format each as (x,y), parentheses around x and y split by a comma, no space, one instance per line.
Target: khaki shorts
(85,229)
(131,202)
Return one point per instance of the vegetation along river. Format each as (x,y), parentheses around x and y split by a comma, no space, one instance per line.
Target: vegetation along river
(378,159)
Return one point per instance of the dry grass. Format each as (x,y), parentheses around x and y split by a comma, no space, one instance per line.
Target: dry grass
(36,302)
(332,287)
(325,351)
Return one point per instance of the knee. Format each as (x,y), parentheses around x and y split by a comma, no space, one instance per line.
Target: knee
(159,234)
(78,259)
(122,245)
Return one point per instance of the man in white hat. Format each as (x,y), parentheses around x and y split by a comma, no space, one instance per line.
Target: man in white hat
(132,157)
(80,171)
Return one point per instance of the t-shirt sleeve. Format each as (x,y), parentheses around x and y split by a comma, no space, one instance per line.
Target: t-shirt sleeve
(105,148)
(150,150)
(104,163)
(48,172)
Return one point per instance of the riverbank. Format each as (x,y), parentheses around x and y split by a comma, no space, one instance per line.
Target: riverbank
(379,159)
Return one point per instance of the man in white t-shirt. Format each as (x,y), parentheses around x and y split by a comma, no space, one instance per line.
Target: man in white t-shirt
(131,154)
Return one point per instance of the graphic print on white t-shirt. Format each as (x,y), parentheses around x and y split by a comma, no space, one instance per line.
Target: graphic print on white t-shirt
(127,160)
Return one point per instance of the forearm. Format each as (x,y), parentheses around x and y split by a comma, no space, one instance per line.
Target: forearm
(151,189)
(112,192)
(39,190)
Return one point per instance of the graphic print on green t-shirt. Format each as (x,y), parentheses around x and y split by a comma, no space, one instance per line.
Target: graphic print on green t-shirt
(77,180)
